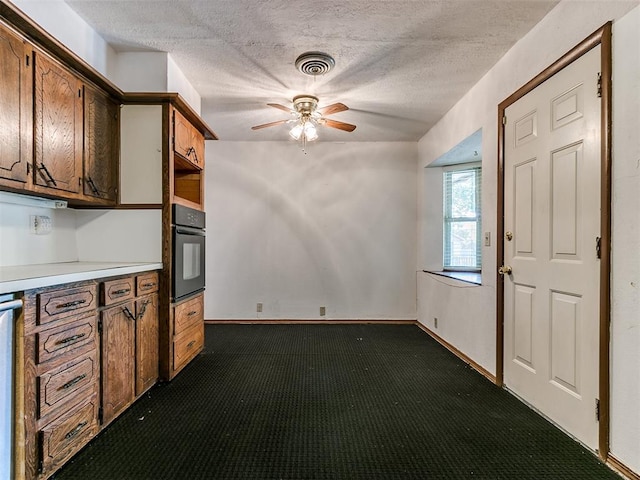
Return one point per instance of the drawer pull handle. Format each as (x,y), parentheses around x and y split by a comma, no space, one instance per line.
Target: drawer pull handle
(148,285)
(143,309)
(191,150)
(128,313)
(192,313)
(72,338)
(50,178)
(75,303)
(92,184)
(71,383)
(191,344)
(76,430)
(122,291)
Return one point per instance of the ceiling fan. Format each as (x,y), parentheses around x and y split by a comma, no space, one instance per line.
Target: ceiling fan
(306,116)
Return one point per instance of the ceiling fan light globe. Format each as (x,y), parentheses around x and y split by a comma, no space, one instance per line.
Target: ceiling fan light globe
(310,132)
(296,131)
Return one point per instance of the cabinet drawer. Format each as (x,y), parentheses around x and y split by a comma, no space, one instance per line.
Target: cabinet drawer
(146,283)
(188,314)
(68,383)
(62,303)
(66,435)
(115,291)
(67,340)
(188,346)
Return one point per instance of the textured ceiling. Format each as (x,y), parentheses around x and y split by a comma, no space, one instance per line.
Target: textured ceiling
(400,64)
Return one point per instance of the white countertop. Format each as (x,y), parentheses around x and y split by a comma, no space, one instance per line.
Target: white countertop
(27,277)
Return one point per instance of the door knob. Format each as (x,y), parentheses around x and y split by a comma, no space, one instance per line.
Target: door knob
(505,270)
(509,235)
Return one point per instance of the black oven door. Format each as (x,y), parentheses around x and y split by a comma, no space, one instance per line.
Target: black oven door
(188,261)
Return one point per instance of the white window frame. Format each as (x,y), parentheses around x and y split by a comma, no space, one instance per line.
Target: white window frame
(448,220)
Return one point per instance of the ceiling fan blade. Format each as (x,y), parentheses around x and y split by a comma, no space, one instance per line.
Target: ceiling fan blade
(272,124)
(347,127)
(281,107)
(333,108)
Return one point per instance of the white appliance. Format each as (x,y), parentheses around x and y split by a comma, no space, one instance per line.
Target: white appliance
(7,306)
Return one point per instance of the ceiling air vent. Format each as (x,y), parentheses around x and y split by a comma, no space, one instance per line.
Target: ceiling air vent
(315,63)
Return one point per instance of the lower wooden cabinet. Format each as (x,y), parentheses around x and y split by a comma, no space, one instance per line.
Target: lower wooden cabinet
(118,330)
(57,406)
(88,350)
(187,346)
(184,336)
(62,438)
(129,342)
(147,343)
(64,385)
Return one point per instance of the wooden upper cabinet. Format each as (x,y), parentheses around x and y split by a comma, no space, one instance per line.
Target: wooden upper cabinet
(16,105)
(58,126)
(197,140)
(100,144)
(187,162)
(60,123)
(188,141)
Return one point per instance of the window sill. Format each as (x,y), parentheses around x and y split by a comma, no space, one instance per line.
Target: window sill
(467,277)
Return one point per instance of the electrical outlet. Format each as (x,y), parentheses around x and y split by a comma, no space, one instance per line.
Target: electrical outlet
(259,307)
(40,224)
(323,311)
(435,322)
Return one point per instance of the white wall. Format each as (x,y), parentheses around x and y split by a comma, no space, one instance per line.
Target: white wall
(119,235)
(141,71)
(546,42)
(333,228)
(153,72)
(177,82)
(20,247)
(625,285)
(470,314)
(57,18)
(80,235)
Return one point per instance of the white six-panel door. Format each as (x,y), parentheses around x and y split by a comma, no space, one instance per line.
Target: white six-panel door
(552,221)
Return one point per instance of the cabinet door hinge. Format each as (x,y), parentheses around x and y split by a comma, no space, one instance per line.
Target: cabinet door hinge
(598,247)
(100,414)
(504,119)
(27,60)
(599,88)
(597,409)
(100,326)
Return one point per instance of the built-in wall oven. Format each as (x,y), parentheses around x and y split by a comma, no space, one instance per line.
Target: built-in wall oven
(188,267)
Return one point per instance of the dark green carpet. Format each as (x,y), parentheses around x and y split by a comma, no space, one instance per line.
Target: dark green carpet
(330,402)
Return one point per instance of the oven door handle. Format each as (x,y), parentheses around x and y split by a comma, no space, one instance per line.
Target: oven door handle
(190,231)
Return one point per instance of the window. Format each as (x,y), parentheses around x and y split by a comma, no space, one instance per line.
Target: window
(462,219)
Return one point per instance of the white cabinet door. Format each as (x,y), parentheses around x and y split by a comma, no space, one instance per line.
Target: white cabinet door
(141,154)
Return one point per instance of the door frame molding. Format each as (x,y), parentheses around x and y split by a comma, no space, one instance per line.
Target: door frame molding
(601,37)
